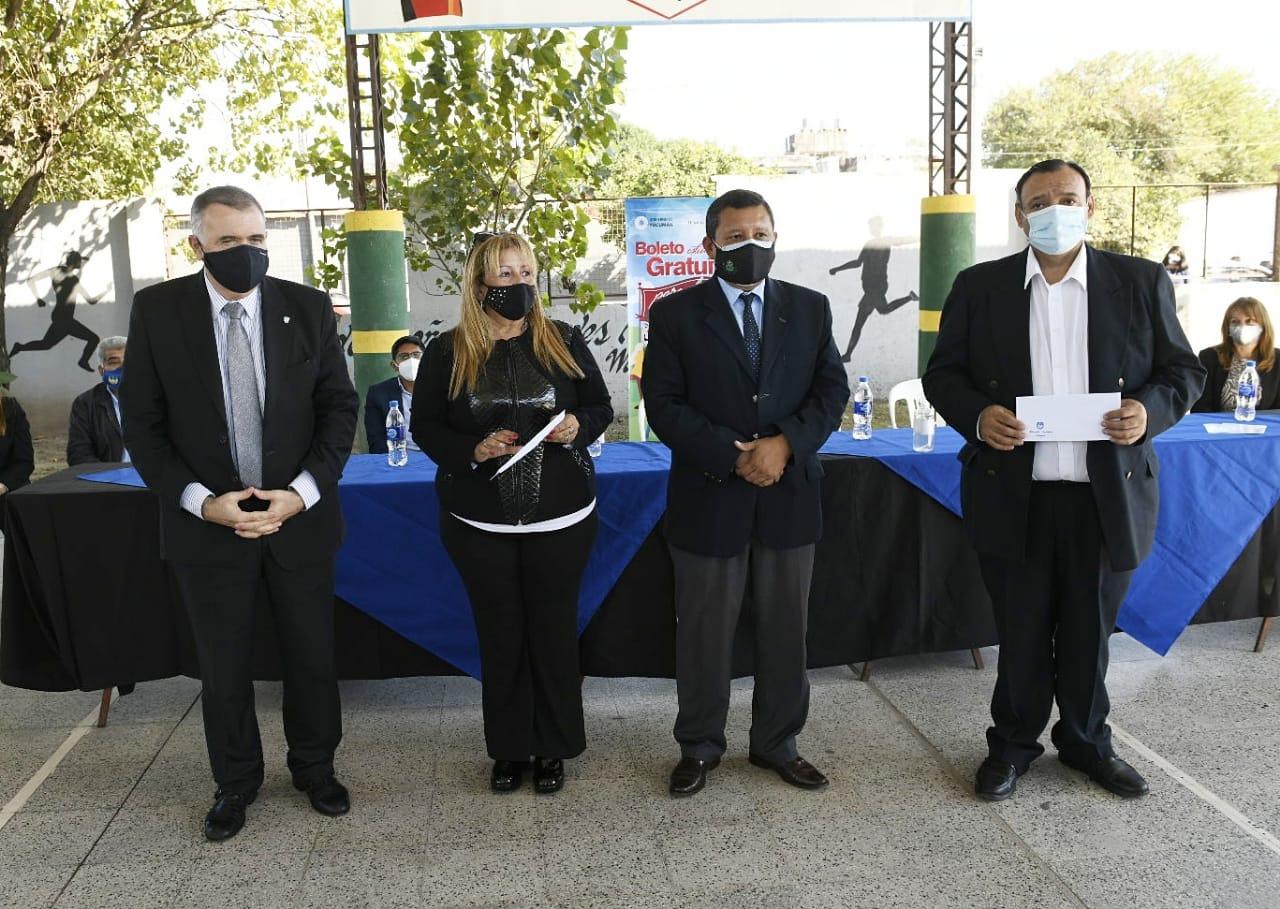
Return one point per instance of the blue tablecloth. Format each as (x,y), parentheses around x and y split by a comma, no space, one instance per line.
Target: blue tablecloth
(1215,491)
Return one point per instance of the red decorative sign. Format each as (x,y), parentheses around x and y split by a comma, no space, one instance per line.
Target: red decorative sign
(426,9)
(667,9)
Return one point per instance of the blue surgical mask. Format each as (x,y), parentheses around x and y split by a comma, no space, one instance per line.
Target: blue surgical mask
(111,378)
(1057,229)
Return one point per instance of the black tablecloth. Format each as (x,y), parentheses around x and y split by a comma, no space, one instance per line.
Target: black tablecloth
(88,603)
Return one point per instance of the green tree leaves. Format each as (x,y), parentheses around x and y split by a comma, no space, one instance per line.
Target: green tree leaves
(494,130)
(1140,119)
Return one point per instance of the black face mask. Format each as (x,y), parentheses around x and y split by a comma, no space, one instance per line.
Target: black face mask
(239,269)
(513,301)
(748,264)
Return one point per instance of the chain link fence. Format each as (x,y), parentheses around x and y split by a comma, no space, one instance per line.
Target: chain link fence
(293,242)
(1226,230)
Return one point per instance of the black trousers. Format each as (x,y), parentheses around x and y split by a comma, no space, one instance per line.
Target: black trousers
(1055,613)
(709,592)
(220,601)
(523,589)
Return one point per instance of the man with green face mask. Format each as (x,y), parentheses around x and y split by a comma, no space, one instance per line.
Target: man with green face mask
(1059,526)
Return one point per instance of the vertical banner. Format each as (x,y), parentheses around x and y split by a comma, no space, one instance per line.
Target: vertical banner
(664,255)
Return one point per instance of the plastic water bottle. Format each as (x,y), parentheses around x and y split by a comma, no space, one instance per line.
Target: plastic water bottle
(1247,392)
(397,441)
(596,448)
(863,400)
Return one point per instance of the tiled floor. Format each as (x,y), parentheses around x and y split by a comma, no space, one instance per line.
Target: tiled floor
(117,824)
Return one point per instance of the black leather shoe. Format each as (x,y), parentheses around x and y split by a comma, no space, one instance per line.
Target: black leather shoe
(690,775)
(799,773)
(548,775)
(1114,775)
(226,817)
(328,796)
(996,780)
(507,775)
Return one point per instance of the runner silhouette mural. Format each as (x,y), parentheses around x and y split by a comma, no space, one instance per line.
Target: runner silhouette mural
(62,324)
(874,262)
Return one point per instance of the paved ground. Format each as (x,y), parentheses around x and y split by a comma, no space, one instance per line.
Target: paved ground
(117,824)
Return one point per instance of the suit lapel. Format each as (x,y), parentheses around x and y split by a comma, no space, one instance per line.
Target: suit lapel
(197,325)
(277,337)
(1108,325)
(777,319)
(720,320)
(1012,325)
(108,407)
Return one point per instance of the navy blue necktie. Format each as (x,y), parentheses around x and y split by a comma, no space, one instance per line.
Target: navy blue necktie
(751,333)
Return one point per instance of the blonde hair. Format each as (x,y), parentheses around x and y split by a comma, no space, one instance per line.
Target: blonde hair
(472,340)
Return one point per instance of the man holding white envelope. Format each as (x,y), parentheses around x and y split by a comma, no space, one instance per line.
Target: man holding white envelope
(1059,365)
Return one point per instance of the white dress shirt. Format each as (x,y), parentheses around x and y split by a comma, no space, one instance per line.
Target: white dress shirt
(1060,358)
(303,484)
(734,295)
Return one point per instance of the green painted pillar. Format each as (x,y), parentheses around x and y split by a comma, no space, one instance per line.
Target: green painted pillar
(948,245)
(379,295)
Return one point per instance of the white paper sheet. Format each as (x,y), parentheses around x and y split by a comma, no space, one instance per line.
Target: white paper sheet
(1066,418)
(1236,429)
(532,443)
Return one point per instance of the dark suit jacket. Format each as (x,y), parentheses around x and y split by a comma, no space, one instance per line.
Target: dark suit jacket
(176,426)
(376,404)
(700,397)
(94,432)
(983,357)
(17,455)
(1211,398)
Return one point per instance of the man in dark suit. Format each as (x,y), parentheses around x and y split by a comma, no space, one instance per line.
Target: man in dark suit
(406,354)
(743,382)
(94,434)
(239,414)
(1059,527)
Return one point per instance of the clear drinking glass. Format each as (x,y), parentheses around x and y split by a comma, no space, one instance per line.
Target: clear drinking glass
(922,426)
(596,448)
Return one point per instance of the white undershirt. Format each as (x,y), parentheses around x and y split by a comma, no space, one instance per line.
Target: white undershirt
(559,523)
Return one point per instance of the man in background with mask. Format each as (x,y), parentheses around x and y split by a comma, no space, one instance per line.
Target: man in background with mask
(406,354)
(240,415)
(94,434)
(1059,526)
(743,382)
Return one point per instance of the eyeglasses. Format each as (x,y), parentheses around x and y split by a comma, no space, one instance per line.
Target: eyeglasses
(408,355)
(480,236)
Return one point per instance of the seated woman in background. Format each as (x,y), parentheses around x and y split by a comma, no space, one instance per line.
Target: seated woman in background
(1246,335)
(1175,263)
(17,456)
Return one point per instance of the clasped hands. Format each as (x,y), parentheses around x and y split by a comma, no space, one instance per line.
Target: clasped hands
(1003,431)
(762,461)
(225,510)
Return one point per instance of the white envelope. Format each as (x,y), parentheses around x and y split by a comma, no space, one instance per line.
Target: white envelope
(1066,418)
(531,444)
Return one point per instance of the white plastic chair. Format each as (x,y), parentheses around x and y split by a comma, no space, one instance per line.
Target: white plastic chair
(908,391)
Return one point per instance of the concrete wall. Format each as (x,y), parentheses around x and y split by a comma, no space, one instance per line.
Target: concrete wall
(123,246)
(823,221)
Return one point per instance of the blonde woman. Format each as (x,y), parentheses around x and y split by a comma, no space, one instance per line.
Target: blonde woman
(1246,335)
(520,540)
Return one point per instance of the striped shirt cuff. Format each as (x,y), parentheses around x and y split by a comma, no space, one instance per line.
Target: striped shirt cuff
(193,498)
(304,484)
